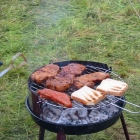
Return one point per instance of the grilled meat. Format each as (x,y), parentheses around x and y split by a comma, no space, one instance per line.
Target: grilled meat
(90,79)
(73,68)
(99,76)
(44,73)
(55,96)
(60,82)
(39,76)
(84,80)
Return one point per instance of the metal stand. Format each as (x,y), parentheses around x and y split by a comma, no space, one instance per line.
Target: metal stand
(61,135)
(41,133)
(124,127)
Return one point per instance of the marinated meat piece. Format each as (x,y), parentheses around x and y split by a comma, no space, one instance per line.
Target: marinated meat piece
(90,79)
(51,69)
(44,73)
(55,96)
(39,76)
(84,80)
(60,82)
(99,76)
(73,68)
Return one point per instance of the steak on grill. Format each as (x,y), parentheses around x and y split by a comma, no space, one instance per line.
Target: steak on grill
(99,76)
(57,97)
(90,79)
(73,68)
(44,73)
(61,82)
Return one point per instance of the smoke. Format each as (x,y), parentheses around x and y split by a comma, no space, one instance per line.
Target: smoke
(47,43)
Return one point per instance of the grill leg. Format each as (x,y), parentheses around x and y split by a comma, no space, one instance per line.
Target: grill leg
(61,135)
(41,133)
(124,127)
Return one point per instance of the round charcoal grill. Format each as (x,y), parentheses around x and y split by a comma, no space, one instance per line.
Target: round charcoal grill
(36,106)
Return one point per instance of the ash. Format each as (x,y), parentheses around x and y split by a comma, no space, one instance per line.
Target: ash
(78,114)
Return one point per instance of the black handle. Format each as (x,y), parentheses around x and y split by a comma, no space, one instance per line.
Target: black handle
(1,63)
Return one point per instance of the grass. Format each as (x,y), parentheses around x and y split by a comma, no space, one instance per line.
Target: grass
(51,30)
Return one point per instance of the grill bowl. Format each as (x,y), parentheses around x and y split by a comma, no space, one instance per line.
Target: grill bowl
(80,129)
(35,109)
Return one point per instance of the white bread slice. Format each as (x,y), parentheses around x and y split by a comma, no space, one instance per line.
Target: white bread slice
(87,96)
(112,87)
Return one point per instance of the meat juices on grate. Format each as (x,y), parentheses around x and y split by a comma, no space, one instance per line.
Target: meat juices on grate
(55,96)
(44,73)
(61,82)
(73,68)
(90,79)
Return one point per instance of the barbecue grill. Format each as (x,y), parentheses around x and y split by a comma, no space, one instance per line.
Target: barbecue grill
(79,119)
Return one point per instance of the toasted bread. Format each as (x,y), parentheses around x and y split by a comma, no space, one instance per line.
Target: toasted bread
(87,96)
(113,87)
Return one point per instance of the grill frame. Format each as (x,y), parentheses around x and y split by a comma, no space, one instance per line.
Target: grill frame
(79,129)
(34,109)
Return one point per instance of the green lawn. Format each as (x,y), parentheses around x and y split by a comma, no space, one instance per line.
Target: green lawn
(47,31)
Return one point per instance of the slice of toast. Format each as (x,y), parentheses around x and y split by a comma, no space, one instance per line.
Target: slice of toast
(112,87)
(87,96)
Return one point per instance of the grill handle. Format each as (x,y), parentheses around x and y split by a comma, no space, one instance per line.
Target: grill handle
(5,71)
(12,65)
(1,63)
(127,109)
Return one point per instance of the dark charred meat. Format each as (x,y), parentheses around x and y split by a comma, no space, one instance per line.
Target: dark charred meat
(90,79)
(73,68)
(60,82)
(55,96)
(44,73)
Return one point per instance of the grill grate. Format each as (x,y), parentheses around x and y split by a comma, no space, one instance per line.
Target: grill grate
(109,100)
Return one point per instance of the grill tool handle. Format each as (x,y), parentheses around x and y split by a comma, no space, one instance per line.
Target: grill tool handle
(12,65)
(5,71)
(1,63)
